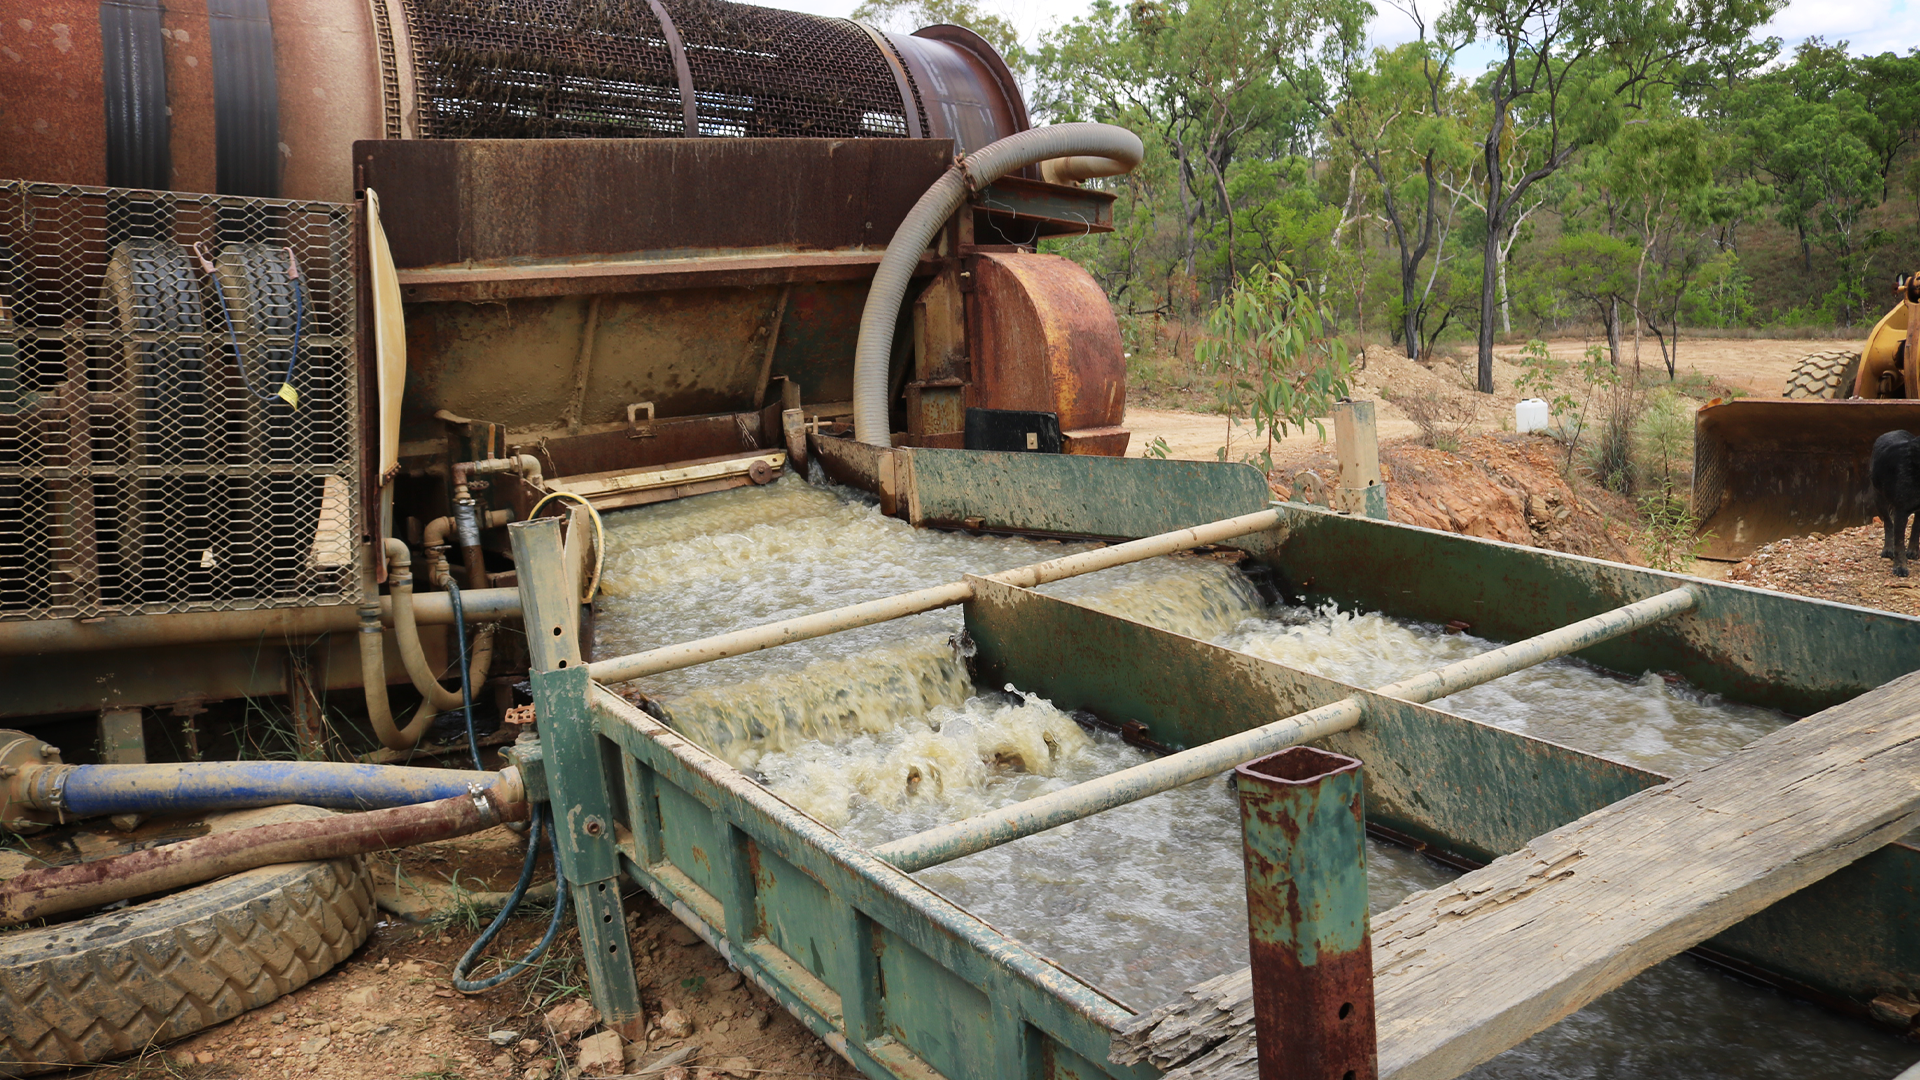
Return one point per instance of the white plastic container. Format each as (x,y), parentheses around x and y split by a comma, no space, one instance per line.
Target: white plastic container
(1531,415)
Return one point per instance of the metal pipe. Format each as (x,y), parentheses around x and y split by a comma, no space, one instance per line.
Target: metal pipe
(49,636)
(37,894)
(1303,821)
(90,791)
(996,827)
(407,634)
(616,669)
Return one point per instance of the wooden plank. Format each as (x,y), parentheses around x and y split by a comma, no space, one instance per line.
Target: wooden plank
(1469,970)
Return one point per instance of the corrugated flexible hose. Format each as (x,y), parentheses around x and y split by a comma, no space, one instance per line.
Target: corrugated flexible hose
(874,350)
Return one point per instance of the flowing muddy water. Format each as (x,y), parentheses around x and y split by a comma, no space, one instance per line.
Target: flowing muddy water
(879,733)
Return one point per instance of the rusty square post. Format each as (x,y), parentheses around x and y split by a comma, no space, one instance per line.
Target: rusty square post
(1305,837)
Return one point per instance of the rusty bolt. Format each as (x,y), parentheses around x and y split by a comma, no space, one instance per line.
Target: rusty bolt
(595,826)
(48,750)
(7,771)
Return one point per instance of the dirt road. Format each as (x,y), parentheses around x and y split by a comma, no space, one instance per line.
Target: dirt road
(1756,367)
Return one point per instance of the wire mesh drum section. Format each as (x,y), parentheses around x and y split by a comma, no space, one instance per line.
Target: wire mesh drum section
(178,402)
(497,69)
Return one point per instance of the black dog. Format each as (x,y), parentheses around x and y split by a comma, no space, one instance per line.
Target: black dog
(1896,491)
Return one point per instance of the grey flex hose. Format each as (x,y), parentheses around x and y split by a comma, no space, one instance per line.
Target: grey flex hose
(978,169)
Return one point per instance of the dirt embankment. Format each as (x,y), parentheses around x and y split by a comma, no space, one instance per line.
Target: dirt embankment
(1500,487)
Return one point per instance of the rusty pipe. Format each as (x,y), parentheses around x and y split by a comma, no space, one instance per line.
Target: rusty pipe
(37,894)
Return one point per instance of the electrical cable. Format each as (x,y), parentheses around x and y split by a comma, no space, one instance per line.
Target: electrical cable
(599,536)
(233,335)
(466,680)
(560,896)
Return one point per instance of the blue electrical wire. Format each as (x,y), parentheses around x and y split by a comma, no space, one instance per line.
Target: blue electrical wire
(466,684)
(233,335)
(460,970)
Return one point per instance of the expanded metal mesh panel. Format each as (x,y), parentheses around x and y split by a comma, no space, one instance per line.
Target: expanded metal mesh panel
(178,402)
(504,69)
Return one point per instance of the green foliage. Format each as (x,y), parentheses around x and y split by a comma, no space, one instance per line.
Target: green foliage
(1662,446)
(1667,535)
(1270,342)
(1156,449)
(1719,295)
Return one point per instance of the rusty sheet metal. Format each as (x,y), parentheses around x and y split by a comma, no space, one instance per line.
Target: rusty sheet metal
(327,63)
(1064,494)
(639,275)
(1767,469)
(190,66)
(648,442)
(1046,340)
(895,978)
(500,201)
(51,94)
(513,363)
(857,465)
(1303,823)
(1016,210)
(1461,789)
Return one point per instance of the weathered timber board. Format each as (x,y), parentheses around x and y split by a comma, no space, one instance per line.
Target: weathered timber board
(1469,970)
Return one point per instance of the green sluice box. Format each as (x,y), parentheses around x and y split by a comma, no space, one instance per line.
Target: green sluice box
(907,984)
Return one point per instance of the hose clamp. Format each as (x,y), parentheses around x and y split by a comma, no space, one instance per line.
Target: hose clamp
(489,814)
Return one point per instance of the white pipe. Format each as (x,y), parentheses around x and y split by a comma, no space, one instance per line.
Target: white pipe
(995,827)
(617,669)
(874,350)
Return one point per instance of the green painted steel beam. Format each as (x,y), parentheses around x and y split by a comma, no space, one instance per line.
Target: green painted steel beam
(870,960)
(1071,495)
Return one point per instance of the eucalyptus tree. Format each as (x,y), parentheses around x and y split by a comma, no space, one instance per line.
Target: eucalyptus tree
(1575,66)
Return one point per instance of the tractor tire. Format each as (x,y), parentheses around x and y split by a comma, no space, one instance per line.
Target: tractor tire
(122,981)
(1826,374)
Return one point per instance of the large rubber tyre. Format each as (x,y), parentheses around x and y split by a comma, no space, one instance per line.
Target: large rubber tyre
(119,982)
(1828,374)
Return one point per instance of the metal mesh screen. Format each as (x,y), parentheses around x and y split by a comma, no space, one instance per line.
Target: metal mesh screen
(501,69)
(174,437)
(760,72)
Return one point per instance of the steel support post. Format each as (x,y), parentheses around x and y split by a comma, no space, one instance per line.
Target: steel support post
(583,819)
(1305,830)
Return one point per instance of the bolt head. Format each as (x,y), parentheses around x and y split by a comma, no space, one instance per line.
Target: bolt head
(48,750)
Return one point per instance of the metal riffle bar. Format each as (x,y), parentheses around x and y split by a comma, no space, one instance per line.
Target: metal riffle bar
(996,827)
(616,669)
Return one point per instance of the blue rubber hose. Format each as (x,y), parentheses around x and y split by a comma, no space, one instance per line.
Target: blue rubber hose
(101,790)
(461,969)
(466,679)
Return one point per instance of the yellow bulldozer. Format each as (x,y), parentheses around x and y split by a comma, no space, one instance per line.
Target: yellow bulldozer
(1764,469)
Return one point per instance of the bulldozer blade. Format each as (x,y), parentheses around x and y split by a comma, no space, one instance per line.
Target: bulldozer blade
(1768,469)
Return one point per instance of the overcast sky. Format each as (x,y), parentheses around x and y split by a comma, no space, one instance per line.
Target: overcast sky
(1871,26)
